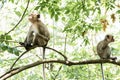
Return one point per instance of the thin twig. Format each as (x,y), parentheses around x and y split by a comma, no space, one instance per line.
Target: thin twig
(57,52)
(50,49)
(33,48)
(65,43)
(58,72)
(20,19)
(18,59)
(9,41)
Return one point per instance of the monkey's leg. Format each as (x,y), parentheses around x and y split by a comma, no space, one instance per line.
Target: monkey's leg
(102,72)
(44,77)
(113,58)
(18,59)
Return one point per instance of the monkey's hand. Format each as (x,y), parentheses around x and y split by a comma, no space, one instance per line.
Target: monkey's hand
(21,43)
(44,37)
(26,45)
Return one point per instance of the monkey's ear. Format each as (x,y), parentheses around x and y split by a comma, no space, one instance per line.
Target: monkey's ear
(38,16)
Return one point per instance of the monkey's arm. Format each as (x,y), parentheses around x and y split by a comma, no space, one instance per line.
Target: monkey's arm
(100,47)
(28,40)
(104,47)
(44,37)
(29,37)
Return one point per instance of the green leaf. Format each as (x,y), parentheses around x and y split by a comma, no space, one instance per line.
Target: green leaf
(118,12)
(2,37)
(56,17)
(52,14)
(36,8)
(22,7)
(10,50)
(8,37)
(12,1)
(16,52)
(13,51)
(7,42)
(18,13)
(3,47)
(63,18)
(67,11)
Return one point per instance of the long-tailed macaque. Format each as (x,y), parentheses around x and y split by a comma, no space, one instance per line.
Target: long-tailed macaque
(103,50)
(38,35)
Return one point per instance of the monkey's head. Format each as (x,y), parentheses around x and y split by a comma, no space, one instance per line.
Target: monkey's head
(34,17)
(109,38)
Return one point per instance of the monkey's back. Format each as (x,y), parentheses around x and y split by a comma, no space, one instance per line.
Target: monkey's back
(103,50)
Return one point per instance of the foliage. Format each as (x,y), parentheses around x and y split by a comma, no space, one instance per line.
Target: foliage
(4,45)
(79,23)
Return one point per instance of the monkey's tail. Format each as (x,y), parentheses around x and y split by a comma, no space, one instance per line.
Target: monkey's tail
(44,77)
(103,78)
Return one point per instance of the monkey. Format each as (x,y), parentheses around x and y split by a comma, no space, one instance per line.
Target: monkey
(103,50)
(38,35)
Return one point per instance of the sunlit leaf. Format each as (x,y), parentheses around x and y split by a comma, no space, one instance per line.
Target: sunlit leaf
(12,1)
(63,18)
(36,8)
(18,13)
(22,7)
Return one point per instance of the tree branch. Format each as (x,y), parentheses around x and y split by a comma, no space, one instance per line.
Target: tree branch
(18,59)
(9,41)
(33,48)
(68,63)
(57,52)
(20,19)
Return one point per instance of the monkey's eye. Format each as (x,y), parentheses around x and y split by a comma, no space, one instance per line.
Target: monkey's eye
(38,16)
(108,36)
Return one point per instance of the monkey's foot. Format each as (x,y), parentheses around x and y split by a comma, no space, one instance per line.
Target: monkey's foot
(113,58)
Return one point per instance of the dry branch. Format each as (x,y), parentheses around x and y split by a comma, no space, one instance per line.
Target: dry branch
(68,63)
(20,18)
(33,48)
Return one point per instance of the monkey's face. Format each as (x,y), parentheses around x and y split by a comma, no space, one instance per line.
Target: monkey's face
(110,38)
(33,17)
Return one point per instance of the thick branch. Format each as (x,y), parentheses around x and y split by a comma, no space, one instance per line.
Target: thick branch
(20,19)
(69,63)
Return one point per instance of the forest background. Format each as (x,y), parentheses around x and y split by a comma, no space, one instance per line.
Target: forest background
(76,26)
